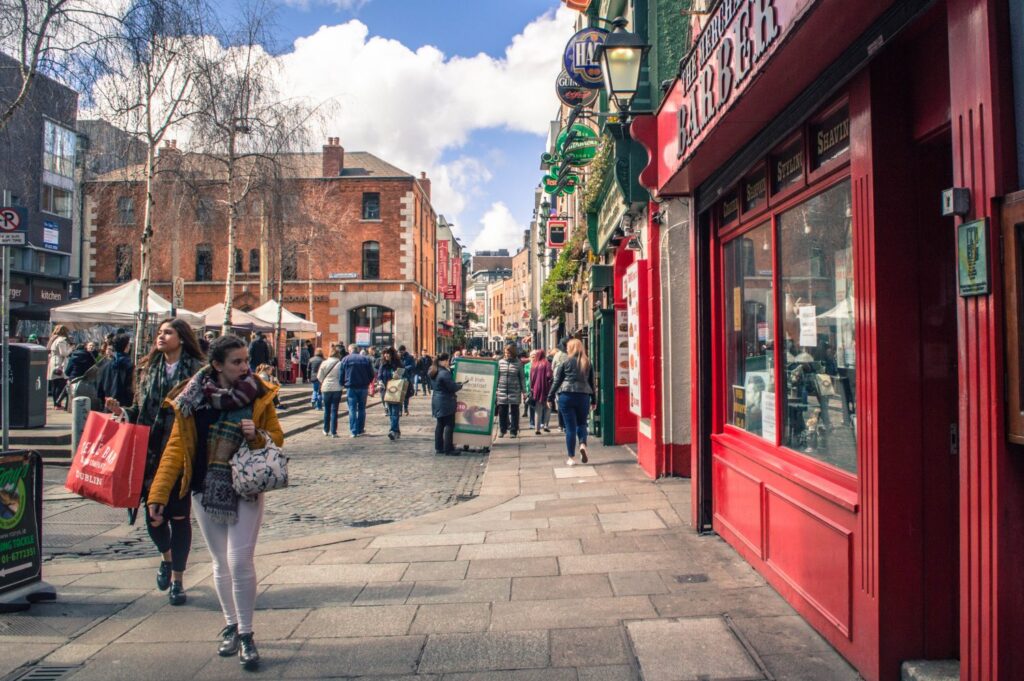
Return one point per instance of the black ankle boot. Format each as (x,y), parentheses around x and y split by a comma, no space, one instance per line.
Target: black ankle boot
(228,641)
(163,575)
(248,656)
(176,596)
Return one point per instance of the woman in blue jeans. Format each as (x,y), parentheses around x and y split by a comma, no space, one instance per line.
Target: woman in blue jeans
(573,387)
(391,367)
(330,389)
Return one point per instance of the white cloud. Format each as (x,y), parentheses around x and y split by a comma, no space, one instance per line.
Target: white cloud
(499,230)
(410,107)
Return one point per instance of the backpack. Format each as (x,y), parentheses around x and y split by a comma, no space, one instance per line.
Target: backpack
(394,393)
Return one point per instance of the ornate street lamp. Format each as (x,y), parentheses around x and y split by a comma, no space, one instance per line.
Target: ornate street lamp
(621,57)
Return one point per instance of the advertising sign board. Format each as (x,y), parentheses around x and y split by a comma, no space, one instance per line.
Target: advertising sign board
(21,556)
(363,336)
(621,349)
(572,93)
(442,264)
(581,149)
(474,411)
(556,233)
(632,287)
(457,277)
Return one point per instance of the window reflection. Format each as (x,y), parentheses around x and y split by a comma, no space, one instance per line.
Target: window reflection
(749,306)
(817,299)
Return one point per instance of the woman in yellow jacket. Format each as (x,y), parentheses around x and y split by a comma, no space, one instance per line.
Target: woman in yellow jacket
(222,405)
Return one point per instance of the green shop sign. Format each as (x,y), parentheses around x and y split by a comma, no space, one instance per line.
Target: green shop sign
(20,538)
(582,149)
(550,183)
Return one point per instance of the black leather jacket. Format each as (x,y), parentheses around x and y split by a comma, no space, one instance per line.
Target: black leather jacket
(570,379)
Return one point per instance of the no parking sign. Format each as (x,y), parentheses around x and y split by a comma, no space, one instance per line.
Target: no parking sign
(12,226)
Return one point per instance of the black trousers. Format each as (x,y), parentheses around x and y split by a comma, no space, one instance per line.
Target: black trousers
(508,418)
(174,534)
(443,434)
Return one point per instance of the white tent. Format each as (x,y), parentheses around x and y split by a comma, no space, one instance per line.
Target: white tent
(239,320)
(289,320)
(118,307)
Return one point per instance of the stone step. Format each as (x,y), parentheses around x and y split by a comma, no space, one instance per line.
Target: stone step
(931,670)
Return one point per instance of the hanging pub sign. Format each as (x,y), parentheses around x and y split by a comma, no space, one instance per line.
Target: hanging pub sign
(830,138)
(581,62)
(578,5)
(556,233)
(550,184)
(582,148)
(573,94)
(737,41)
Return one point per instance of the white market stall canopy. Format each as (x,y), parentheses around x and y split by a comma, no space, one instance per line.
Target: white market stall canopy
(289,320)
(239,320)
(118,307)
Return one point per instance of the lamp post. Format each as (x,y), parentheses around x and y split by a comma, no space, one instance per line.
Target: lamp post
(621,56)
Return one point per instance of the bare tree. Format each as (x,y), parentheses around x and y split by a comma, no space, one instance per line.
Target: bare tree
(242,125)
(147,93)
(64,39)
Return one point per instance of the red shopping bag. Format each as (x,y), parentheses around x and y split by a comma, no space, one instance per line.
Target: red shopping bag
(110,462)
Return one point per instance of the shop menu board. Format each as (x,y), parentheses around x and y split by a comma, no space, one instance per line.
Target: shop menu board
(474,411)
(621,349)
(632,286)
(20,498)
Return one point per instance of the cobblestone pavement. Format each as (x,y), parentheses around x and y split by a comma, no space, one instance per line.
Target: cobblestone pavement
(335,483)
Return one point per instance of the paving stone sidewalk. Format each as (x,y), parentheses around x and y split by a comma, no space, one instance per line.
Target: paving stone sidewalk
(589,573)
(335,483)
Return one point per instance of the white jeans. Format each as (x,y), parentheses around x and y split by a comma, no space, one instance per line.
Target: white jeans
(233,548)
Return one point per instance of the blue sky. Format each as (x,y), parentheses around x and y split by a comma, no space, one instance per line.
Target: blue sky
(474,115)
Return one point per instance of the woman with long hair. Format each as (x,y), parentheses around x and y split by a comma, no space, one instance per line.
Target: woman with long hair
(573,387)
(59,348)
(391,367)
(175,358)
(221,406)
(541,377)
(330,379)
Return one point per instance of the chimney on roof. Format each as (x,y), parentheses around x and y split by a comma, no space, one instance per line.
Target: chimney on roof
(170,154)
(334,157)
(425,183)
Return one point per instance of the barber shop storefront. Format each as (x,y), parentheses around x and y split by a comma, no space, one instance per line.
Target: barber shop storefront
(850,437)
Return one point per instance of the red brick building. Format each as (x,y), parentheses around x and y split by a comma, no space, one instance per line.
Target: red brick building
(351,238)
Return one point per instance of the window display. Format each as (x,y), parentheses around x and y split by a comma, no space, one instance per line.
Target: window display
(819,352)
(749,318)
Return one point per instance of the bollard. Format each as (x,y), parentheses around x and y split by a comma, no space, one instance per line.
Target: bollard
(80,407)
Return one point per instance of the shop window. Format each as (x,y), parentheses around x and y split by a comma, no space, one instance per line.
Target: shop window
(816,278)
(204,262)
(371,260)
(254,260)
(125,210)
(371,206)
(289,263)
(749,308)
(239,260)
(56,201)
(123,263)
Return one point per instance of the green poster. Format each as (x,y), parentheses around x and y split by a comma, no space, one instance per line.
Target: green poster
(474,412)
(972,258)
(20,551)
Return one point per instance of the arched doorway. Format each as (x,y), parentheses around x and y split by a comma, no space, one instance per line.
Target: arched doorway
(371,325)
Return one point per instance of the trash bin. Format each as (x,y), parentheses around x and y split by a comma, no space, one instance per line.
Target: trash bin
(295,373)
(28,385)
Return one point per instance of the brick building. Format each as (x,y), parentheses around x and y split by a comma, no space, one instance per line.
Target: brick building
(350,239)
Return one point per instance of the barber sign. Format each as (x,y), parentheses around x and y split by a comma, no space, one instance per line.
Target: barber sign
(580,59)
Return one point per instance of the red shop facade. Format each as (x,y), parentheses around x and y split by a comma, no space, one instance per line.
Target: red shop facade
(849,380)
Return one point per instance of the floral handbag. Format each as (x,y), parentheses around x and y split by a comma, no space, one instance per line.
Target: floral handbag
(259,470)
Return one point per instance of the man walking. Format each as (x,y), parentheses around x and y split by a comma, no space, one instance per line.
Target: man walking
(357,374)
(423,365)
(409,364)
(259,351)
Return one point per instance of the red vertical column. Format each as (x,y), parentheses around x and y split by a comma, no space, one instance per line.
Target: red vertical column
(991,480)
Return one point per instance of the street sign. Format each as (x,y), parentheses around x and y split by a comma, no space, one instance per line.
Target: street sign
(178,292)
(12,219)
(12,238)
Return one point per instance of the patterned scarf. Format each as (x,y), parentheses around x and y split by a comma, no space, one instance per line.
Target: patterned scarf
(150,400)
(224,438)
